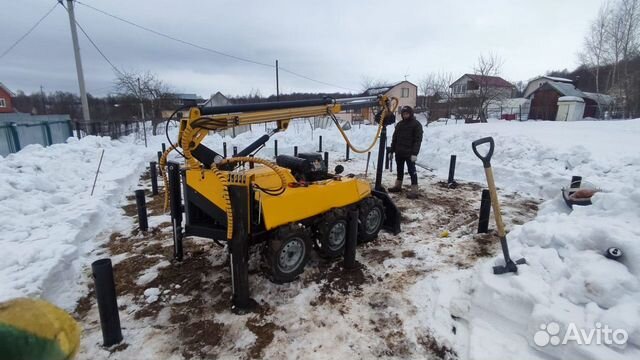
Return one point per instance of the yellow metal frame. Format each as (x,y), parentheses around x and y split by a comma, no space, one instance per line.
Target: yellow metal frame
(294,203)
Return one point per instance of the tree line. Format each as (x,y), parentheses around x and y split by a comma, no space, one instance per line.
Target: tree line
(610,55)
(131,90)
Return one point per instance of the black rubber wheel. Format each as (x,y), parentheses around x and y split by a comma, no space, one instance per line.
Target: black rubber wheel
(370,219)
(288,252)
(332,234)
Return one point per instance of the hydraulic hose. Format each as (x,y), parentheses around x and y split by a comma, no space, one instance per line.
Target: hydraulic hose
(386,110)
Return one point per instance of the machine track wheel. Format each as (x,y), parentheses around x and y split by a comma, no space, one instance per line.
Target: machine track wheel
(370,219)
(288,252)
(332,233)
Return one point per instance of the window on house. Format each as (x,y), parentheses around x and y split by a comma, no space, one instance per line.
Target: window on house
(405,93)
(3,103)
(459,89)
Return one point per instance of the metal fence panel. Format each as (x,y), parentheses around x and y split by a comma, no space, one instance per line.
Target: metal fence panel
(15,136)
(6,141)
(60,132)
(32,134)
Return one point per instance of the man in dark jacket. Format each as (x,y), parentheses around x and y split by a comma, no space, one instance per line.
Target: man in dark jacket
(406,141)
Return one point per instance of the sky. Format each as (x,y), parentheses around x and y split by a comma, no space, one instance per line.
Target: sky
(339,43)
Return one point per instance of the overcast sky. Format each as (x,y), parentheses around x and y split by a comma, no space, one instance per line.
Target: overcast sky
(338,42)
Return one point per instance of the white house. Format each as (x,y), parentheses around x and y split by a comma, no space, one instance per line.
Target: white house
(405,91)
(217,99)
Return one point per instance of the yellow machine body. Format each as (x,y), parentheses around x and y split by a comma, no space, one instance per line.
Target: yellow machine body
(295,204)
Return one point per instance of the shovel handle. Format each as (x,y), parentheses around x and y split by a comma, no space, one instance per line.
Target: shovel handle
(486,159)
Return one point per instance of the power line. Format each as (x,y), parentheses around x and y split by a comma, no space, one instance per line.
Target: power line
(28,32)
(217,52)
(176,39)
(318,81)
(96,46)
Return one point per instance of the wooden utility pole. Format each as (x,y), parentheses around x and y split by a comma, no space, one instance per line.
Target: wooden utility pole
(76,53)
(277,83)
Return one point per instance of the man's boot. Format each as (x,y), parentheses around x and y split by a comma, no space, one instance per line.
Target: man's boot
(413,193)
(397,188)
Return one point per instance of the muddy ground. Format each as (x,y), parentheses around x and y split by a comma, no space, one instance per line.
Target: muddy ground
(172,309)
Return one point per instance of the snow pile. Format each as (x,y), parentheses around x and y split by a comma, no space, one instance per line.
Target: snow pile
(49,220)
(568,284)
(538,157)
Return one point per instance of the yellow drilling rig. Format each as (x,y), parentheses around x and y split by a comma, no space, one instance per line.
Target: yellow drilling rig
(293,205)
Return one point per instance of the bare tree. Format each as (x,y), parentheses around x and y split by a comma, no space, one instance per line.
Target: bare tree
(615,30)
(629,13)
(148,89)
(521,86)
(437,94)
(427,87)
(443,83)
(488,66)
(368,82)
(594,54)
(436,85)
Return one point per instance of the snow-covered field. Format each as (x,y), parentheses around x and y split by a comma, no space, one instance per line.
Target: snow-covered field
(49,220)
(418,295)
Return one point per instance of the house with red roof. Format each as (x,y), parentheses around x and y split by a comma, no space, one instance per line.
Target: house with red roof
(470,85)
(6,96)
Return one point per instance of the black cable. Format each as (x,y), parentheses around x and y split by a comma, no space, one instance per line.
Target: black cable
(98,49)
(217,52)
(314,80)
(166,128)
(271,191)
(176,39)
(28,32)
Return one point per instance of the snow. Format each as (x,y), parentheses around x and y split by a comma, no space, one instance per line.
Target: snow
(50,220)
(51,229)
(558,79)
(539,157)
(570,99)
(151,273)
(567,279)
(152,295)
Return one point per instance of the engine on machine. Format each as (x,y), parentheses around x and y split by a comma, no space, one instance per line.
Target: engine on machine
(306,167)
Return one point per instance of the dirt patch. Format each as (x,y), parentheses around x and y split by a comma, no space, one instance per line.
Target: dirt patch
(130,210)
(338,283)
(199,337)
(389,327)
(128,271)
(155,205)
(146,176)
(485,245)
(119,347)
(264,336)
(408,254)
(468,186)
(430,344)
(84,304)
(376,255)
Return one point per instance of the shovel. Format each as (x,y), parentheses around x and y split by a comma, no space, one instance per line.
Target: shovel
(510,265)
